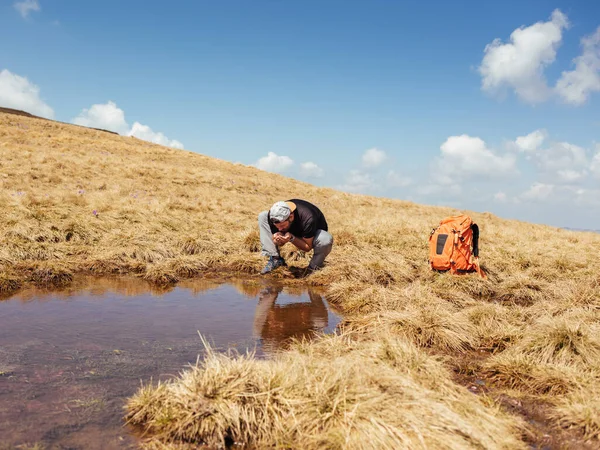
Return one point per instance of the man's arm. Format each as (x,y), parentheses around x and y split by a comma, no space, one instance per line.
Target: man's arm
(304,244)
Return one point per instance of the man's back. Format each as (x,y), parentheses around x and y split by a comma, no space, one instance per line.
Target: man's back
(307,219)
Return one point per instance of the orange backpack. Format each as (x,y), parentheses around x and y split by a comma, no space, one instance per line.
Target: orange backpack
(454,246)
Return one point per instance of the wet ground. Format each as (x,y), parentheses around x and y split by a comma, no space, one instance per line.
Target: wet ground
(69,359)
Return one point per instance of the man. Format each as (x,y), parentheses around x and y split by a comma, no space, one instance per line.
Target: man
(298,222)
(275,323)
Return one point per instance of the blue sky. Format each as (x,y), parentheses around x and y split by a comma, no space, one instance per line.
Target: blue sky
(489,106)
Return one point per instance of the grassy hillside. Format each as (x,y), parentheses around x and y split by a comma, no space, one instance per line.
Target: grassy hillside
(426,360)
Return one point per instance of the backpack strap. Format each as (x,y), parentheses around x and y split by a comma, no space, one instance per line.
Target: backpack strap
(475,229)
(478,268)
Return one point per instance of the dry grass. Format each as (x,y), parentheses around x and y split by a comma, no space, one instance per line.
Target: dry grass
(76,200)
(580,411)
(338,393)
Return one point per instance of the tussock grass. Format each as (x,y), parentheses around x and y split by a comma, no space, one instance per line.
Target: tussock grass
(553,356)
(48,275)
(518,372)
(496,326)
(432,327)
(319,395)
(9,282)
(563,340)
(76,200)
(580,411)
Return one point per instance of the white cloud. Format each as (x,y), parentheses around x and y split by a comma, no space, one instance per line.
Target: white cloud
(500,197)
(586,197)
(538,191)
(146,133)
(274,163)
(108,116)
(561,156)
(395,180)
(26,6)
(595,166)
(532,141)
(571,176)
(464,157)
(105,116)
(557,162)
(311,170)
(562,195)
(576,86)
(373,157)
(439,190)
(520,64)
(18,93)
(359,182)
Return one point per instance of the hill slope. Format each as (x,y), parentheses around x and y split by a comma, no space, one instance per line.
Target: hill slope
(525,341)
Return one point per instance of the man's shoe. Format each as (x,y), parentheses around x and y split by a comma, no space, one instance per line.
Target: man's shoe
(273,263)
(310,270)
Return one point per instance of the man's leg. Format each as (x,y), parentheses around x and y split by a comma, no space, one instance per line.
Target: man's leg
(322,245)
(266,237)
(268,246)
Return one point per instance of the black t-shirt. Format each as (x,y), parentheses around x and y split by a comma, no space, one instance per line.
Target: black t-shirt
(307,220)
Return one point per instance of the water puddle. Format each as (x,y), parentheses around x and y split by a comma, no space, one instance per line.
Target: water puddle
(69,359)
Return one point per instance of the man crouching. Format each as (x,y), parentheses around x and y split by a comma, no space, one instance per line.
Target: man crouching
(298,222)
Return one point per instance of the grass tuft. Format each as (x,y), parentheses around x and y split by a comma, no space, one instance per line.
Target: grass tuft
(563,340)
(336,393)
(580,411)
(516,371)
(9,282)
(51,275)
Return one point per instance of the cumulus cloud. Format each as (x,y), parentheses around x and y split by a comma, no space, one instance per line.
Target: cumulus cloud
(19,93)
(396,180)
(439,190)
(373,157)
(566,195)
(359,182)
(595,166)
(557,162)
(561,156)
(520,63)
(571,176)
(146,133)
(274,163)
(26,6)
(311,170)
(531,142)
(576,86)
(105,116)
(465,157)
(586,197)
(500,197)
(108,116)
(538,191)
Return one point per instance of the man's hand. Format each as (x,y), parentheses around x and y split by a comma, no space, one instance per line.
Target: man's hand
(281,239)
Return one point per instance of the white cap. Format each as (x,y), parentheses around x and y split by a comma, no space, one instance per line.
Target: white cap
(280,211)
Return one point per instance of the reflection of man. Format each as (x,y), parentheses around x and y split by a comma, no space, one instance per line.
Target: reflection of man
(275,324)
(298,222)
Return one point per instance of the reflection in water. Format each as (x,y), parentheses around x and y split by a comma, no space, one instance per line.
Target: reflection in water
(99,286)
(69,358)
(276,324)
